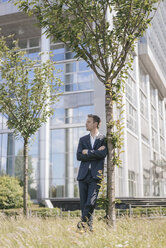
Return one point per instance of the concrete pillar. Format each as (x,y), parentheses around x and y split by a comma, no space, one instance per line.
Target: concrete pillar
(140,190)
(44,135)
(125,156)
(150,129)
(69,163)
(158,124)
(10,154)
(164,123)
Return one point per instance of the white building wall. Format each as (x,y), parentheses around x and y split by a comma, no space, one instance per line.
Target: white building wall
(44,135)
(138,153)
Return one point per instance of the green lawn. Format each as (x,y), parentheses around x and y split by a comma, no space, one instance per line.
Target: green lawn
(62,233)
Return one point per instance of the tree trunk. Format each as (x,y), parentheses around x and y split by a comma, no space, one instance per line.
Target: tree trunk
(25,193)
(111,215)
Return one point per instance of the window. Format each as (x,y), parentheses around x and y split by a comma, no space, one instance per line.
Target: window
(153,117)
(75,75)
(161,120)
(3,122)
(153,96)
(161,126)
(132,71)
(11,159)
(61,52)
(160,107)
(31,46)
(143,105)
(131,117)
(132,183)
(64,165)
(154,139)
(143,83)
(146,182)
(120,179)
(162,146)
(131,91)
(71,115)
(4,1)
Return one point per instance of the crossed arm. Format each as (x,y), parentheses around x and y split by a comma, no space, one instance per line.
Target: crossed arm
(90,155)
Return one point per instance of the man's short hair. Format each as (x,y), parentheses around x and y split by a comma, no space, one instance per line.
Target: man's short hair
(96,118)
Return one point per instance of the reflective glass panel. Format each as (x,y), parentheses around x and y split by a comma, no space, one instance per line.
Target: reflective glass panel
(63,161)
(4,144)
(83,66)
(0,144)
(59,67)
(34,42)
(19,146)
(22,44)
(85,77)
(70,67)
(57,141)
(3,165)
(33,146)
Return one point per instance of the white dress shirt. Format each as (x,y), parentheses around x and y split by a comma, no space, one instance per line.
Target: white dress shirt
(92,141)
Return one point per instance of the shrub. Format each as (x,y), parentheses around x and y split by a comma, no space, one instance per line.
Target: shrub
(11,193)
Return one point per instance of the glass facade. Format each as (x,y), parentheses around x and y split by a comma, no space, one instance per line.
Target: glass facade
(71,113)
(153,117)
(120,181)
(143,94)
(132,182)
(67,125)
(3,121)
(11,159)
(64,165)
(32,46)
(131,117)
(4,1)
(75,75)
(11,148)
(131,104)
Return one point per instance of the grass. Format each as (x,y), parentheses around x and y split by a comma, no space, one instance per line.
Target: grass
(62,233)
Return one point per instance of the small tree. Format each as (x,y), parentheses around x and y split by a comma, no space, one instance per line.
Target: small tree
(11,193)
(103,33)
(19,168)
(25,99)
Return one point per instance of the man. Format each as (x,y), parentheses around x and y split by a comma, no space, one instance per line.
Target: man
(91,152)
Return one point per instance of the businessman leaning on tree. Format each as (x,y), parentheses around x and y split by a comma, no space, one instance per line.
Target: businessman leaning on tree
(91,152)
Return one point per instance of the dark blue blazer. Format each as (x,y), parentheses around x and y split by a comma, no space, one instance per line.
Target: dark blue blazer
(94,156)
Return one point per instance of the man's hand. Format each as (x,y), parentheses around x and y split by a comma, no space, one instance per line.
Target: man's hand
(85,151)
(101,148)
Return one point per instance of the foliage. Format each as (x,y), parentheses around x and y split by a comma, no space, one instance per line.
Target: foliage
(24,89)
(102,201)
(87,28)
(43,212)
(27,90)
(103,33)
(11,193)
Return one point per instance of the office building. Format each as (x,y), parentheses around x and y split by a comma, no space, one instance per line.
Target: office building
(52,155)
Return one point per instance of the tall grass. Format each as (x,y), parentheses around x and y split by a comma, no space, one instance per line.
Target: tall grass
(62,233)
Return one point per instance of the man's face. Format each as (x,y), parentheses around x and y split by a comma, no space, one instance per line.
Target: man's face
(90,125)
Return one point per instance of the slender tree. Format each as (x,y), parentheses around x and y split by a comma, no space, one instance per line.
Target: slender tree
(19,168)
(25,97)
(103,33)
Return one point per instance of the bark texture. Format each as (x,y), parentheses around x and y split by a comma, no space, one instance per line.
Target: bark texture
(25,188)
(111,215)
